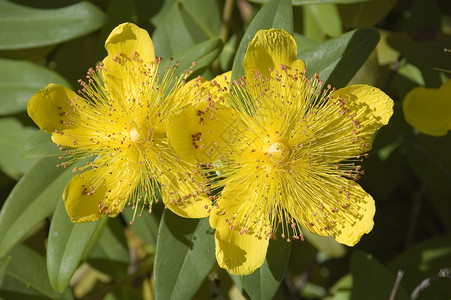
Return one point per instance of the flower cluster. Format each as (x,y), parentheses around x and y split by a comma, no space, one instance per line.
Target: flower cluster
(266,156)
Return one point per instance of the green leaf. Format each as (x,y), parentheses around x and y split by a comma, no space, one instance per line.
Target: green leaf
(32,200)
(185,254)
(19,81)
(28,271)
(26,27)
(265,281)
(4,261)
(40,145)
(67,244)
(203,54)
(303,2)
(304,43)
(275,14)
(371,280)
(12,139)
(185,24)
(110,255)
(422,261)
(338,60)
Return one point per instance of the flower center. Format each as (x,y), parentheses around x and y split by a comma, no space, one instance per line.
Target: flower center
(278,152)
(135,135)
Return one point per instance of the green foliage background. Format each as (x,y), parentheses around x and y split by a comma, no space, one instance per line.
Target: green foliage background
(394,45)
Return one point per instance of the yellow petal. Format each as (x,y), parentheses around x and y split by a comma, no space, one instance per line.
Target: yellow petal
(183,194)
(368,106)
(268,50)
(242,231)
(194,207)
(49,106)
(335,215)
(129,40)
(239,254)
(195,133)
(104,190)
(429,110)
(81,204)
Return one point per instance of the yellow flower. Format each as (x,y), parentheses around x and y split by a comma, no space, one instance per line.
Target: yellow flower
(429,110)
(119,118)
(285,152)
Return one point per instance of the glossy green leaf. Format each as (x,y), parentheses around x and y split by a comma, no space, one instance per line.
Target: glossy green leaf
(338,60)
(275,14)
(146,225)
(303,43)
(4,261)
(371,280)
(303,2)
(19,81)
(67,245)
(185,254)
(110,255)
(29,277)
(203,54)
(32,200)
(39,145)
(26,27)
(422,261)
(12,139)
(184,24)
(265,281)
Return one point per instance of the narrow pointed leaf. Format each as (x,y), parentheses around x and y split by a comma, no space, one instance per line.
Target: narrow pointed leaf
(40,145)
(67,244)
(13,136)
(26,27)
(185,23)
(265,281)
(4,261)
(202,54)
(28,271)
(337,60)
(20,80)
(32,200)
(275,14)
(185,254)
